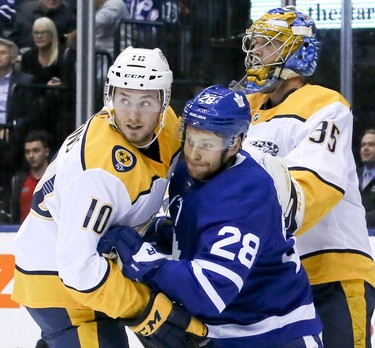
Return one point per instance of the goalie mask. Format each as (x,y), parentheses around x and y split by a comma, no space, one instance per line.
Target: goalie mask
(139,69)
(294,49)
(219,110)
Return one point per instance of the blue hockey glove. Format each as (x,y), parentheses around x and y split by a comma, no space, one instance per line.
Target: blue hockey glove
(135,256)
(160,234)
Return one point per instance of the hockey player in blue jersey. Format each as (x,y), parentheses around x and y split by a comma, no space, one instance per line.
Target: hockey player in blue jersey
(233,265)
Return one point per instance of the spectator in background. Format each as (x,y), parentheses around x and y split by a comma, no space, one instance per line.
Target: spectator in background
(8,78)
(17,115)
(44,60)
(26,14)
(144,10)
(36,149)
(366,175)
(107,13)
(45,63)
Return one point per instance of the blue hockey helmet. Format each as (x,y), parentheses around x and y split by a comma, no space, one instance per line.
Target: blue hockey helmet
(220,110)
(292,34)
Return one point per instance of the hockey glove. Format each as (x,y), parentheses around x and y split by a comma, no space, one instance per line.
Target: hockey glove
(160,234)
(135,257)
(164,324)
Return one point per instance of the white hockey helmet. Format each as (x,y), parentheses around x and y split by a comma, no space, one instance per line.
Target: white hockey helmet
(140,69)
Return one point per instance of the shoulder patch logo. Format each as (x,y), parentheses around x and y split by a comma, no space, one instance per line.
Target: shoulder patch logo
(123,160)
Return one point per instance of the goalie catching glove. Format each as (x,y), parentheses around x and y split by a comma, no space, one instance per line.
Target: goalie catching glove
(291,195)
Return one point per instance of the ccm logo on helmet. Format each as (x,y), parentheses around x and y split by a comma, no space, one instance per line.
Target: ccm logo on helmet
(135,76)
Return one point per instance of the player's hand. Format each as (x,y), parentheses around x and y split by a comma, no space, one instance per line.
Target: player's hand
(164,324)
(160,234)
(135,257)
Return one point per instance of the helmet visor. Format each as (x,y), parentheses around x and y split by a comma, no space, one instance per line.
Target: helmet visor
(140,101)
(197,138)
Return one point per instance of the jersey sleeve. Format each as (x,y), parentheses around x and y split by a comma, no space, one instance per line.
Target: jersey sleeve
(320,161)
(227,251)
(89,205)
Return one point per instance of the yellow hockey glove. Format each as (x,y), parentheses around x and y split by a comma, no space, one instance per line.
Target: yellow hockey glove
(164,324)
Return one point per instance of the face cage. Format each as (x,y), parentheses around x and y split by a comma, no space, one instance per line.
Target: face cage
(283,52)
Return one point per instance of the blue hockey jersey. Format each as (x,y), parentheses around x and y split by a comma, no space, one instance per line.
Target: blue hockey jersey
(237,270)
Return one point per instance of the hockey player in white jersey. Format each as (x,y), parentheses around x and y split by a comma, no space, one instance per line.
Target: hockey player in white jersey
(234,265)
(310,127)
(113,169)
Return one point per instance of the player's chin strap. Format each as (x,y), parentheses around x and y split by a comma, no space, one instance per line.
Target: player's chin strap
(162,122)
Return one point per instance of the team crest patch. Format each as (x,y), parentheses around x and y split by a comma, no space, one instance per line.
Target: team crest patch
(123,160)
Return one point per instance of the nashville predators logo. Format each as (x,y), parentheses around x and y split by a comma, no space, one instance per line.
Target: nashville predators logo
(123,160)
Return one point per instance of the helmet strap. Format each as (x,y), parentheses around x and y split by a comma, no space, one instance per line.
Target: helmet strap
(285,74)
(112,117)
(161,126)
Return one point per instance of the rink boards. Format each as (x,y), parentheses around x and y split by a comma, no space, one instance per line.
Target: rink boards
(17,329)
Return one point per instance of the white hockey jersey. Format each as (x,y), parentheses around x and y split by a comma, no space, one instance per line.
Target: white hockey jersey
(97,180)
(312,130)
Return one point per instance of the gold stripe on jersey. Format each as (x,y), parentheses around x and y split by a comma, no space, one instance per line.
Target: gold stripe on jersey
(320,198)
(42,291)
(318,97)
(355,296)
(95,155)
(87,326)
(332,266)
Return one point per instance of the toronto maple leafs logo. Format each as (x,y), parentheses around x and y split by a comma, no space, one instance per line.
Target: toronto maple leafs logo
(123,160)
(239,100)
